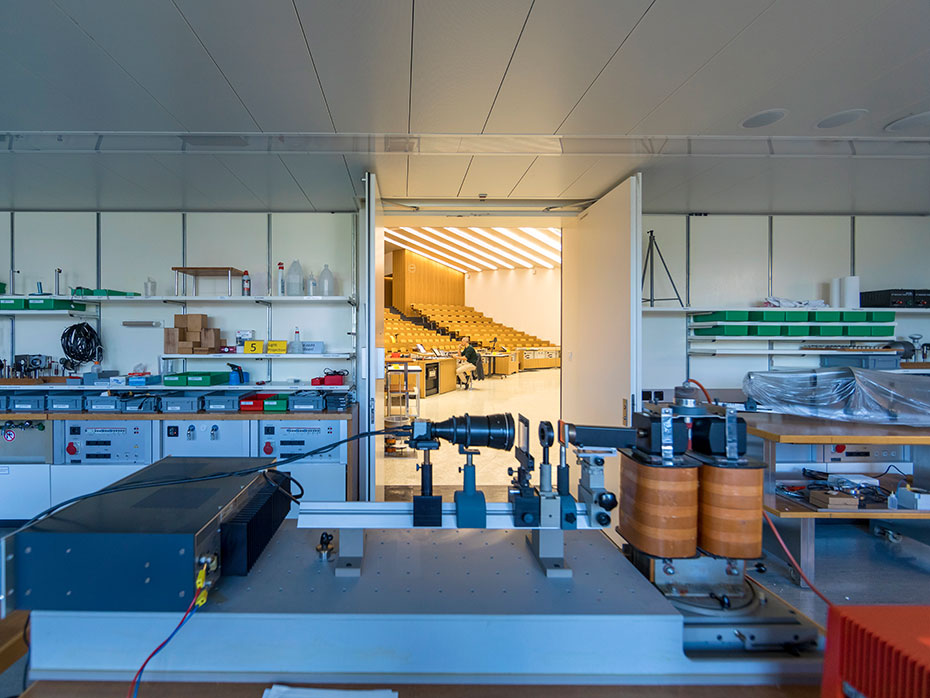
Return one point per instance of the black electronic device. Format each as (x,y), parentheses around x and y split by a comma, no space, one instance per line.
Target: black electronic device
(887,298)
(136,550)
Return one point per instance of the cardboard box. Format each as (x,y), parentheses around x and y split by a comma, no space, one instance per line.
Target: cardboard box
(196,322)
(193,336)
(277,346)
(254,346)
(172,338)
(210,338)
(203,350)
(832,499)
(180,321)
(185,348)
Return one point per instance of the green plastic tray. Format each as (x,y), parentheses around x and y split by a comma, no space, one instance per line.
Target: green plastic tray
(795,330)
(765,330)
(878,331)
(208,378)
(855,316)
(825,316)
(827,330)
(175,379)
(722,331)
(767,315)
(723,316)
(881,316)
(796,316)
(12,303)
(278,403)
(54,304)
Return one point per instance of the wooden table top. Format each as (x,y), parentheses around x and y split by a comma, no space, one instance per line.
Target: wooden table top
(786,508)
(792,429)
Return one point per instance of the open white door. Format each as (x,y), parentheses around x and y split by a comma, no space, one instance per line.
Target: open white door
(601,309)
(370,379)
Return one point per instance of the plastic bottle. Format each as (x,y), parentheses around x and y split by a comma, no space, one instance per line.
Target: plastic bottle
(294,284)
(327,282)
(296,347)
(246,283)
(281,288)
(312,287)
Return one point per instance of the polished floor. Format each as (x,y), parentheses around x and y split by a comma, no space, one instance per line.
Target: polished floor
(534,394)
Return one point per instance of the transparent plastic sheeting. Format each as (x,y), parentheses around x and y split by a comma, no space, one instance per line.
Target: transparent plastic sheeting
(845,394)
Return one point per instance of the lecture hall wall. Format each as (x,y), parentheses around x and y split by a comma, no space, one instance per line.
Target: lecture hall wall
(421,280)
(529,300)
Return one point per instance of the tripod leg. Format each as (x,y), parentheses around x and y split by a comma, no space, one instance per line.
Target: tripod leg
(669,274)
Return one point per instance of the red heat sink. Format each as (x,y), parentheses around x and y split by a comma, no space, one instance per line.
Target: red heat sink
(877,652)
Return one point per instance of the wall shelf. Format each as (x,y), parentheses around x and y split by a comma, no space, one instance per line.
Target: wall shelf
(221,299)
(786,323)
(779,352)
(239,357)
(827,339)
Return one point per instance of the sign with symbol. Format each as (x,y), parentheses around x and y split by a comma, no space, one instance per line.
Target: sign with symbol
(9,435)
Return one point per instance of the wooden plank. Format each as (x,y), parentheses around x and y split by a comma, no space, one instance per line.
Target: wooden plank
(208,271)
(793,429)
(785,508)
(12,646)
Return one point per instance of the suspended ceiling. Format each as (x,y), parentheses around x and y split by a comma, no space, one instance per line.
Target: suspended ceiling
(536,71)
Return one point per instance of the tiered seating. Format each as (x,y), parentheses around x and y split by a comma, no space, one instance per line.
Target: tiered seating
(403,335)
(465,320)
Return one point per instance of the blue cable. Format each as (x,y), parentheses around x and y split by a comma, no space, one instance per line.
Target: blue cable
(190,615)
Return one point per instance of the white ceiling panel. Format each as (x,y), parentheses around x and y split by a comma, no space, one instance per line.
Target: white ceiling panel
(55,77)
(275,78)
(782,40)
(208,183)
(361,50)
(675,38)
(391,171)
(548,177)
(154,44)
(559,55)
(436,175)
(324,179)
(494,175)
(603,176)
(269,179)
(460,55)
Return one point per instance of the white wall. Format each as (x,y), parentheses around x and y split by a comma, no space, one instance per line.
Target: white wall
(529,300)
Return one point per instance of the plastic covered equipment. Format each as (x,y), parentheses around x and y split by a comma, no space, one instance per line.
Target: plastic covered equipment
(845,394)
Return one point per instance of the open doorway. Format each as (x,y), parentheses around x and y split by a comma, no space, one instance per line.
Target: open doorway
(472,324)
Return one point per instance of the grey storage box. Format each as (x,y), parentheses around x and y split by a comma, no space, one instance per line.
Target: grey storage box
(306,401)
(61,401)
(222,400)
(103,403)
(186,401)
(26,402)
(873,362)
(4,398)
(141,403)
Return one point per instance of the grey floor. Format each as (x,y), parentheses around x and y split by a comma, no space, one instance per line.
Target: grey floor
(11,680)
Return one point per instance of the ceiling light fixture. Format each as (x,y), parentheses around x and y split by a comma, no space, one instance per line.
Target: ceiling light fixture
(519,260)
(423,254)
(919,120)
(532,258)
(467,246)
(554,244)
(532,245)
(556,231)
(431,250)
(765,118)
(457,251)
(842,118)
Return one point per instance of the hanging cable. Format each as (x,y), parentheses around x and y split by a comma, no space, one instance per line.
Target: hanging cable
(81,344)
(793,561)
(703,389)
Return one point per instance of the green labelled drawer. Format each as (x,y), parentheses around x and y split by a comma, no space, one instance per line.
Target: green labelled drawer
(765,330)
(855,316)
(856,331)
(767,315)
(176,379)
(825,316)
(2,287)
(278,403)
(54,304)
(795,330)
(881,316)
(208,378)
(879,331)
(827,330)
(722,331)
(723,316)
(12,303)
(796,316)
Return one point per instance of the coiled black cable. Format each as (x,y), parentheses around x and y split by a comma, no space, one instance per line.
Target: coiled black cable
(81,343)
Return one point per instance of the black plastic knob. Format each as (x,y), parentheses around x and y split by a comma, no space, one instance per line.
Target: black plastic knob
(602,518)
(598,461)
(607,501)
(570,517)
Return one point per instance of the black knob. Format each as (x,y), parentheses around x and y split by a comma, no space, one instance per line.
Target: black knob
(570,517)
(510,471)
(760,567)
(598,461)
(602,518)
(607,501)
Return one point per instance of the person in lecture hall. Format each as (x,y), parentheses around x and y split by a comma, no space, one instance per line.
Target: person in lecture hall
(471,361)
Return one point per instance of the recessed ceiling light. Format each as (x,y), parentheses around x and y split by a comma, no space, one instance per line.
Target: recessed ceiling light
(496,250)
(842,118)
(765,118)
(556,231)
(432,250)
(554,244)
(500,241)
(533,246)
(914,121)
(423,254)
(465,235)
(443,245)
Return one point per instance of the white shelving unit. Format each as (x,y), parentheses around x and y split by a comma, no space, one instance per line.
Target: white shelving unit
(273,385)
(239,357)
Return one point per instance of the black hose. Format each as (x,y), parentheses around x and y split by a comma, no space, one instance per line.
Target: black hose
(81,343)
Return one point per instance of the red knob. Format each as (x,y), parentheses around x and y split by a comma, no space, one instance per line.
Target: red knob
(840,448)
(71,449)
(268,449)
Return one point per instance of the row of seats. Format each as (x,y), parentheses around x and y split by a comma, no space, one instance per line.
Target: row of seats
(403,335)
(465,320)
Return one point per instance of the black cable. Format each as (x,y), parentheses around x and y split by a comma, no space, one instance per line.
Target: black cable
(214,476)
(294,498)
(81,343)
(888,469)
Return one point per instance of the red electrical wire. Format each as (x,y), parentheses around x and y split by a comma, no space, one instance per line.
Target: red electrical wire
(703,389)
(135,679)
(793,561)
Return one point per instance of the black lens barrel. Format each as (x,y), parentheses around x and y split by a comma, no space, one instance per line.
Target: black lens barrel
(489,431)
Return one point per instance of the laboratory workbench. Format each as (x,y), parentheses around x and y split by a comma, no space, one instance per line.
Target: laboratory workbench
(161,416)
(792,429)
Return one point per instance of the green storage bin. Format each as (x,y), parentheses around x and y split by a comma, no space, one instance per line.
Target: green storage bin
(208,378)
(278,403)
(856,331)
(723,316)
(825,315)
(827,330)
(879,331)
(796,316)
(881,316)
(12,303)
(855,316)
(765,330)
(176,379)
(2,287)
(795,330)
(767,315)
(722,331)
(54,304)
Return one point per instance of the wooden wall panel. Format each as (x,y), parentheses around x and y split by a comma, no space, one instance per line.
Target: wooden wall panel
(421,280)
